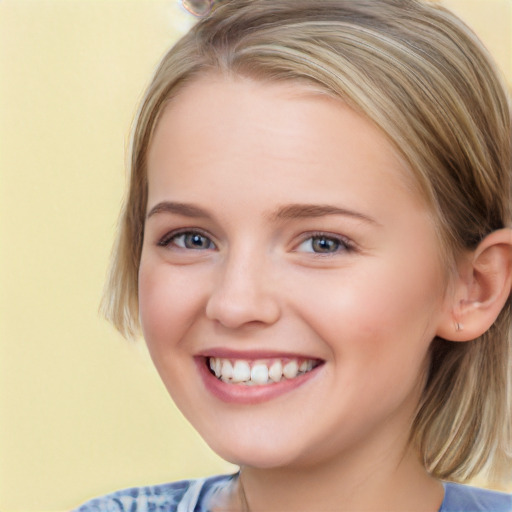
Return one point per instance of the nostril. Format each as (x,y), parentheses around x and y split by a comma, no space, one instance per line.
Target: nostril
(243,293)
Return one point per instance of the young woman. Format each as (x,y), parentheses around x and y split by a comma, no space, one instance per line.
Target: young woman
(316,240)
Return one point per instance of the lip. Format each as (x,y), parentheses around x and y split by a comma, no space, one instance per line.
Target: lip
(242,394)
(226,353)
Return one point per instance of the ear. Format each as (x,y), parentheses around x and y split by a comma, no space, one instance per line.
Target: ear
(481,289)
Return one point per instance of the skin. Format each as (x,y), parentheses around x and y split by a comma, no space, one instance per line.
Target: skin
(368,308)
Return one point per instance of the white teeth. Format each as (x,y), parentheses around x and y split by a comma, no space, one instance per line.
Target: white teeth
(291,370)
(261,372)
(226,370)
(218,367)
(276,371)
(241,371)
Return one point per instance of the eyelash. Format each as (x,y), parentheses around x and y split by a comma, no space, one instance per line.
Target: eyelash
(168,239)
(342,244)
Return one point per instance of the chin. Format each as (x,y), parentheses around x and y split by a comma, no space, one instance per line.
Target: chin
(250,452)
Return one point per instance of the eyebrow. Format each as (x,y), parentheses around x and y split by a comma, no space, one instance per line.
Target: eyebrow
(297,211)
(185,209)
(291,211)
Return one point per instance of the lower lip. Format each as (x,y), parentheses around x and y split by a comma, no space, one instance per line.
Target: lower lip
(242,394)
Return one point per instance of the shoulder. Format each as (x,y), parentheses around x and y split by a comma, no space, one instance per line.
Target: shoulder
(464,498)
(186,494)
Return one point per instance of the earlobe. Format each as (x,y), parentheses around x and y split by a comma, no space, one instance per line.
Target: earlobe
(482,289)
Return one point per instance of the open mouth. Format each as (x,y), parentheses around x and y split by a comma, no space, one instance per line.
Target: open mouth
(259,372)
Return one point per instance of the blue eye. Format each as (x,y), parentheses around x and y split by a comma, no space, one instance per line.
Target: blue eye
(323,244)
(188,240)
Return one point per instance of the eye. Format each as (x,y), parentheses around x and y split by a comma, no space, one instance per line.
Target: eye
(187,240)
(324,244)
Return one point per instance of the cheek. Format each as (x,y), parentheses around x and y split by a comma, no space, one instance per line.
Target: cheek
(385,310)
(152,300)
(166,302)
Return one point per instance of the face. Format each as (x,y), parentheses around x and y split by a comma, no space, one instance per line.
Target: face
(290,282)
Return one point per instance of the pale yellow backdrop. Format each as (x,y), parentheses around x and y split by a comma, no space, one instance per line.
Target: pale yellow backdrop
(81,411)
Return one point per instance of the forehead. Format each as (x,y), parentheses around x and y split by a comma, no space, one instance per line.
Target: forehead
(231,115)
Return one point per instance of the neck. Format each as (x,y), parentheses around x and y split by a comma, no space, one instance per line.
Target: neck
(380,482)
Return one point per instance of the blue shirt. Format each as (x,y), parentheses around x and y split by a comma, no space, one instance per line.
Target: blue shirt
(197,496)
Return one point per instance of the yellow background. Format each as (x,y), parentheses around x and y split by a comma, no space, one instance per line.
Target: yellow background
(82,411)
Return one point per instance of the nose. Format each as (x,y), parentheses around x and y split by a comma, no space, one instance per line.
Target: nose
(244,294)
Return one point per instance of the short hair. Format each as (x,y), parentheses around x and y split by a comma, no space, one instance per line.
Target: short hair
(419,74)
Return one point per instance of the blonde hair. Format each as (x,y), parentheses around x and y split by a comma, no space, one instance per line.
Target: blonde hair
(424,78)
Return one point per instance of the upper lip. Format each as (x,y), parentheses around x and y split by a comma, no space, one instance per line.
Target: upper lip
(227,353)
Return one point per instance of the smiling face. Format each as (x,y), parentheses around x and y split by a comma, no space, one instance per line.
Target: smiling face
(290,282)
